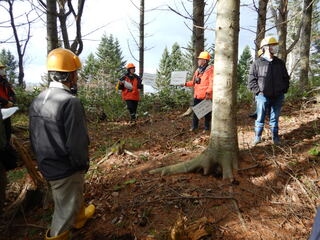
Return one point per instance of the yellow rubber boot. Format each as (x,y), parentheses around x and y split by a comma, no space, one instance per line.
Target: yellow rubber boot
(63,236)
(83,216)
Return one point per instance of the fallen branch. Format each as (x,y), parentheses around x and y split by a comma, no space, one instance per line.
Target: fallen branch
(27,159)
(27,186)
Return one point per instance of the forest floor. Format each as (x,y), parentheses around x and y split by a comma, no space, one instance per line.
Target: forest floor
(274,194)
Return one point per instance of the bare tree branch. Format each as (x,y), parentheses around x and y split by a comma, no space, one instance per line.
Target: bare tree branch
(131,52)
(135,5)
(184,7)
(173,10)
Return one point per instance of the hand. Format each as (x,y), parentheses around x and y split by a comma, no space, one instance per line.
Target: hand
(9,104)
(208,96)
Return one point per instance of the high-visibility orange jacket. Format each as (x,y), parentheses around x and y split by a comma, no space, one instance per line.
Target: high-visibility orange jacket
(205,85)
(133,94)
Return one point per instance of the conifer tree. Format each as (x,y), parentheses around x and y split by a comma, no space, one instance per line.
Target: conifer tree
(244,66)
(90,68)
(163,74)
(110,59)
(174,61)
(107,64)
(7,59)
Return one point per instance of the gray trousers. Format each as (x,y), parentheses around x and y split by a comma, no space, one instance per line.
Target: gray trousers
(68,200)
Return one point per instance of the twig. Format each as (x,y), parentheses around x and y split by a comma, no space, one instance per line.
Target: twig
(105,158)
(29,225)
(130,153)
(304,191)
(248,168)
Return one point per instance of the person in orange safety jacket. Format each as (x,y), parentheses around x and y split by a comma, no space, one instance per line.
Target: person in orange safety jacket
(202,82)
(130,85)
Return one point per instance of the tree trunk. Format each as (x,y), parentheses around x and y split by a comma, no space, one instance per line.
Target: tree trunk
(197,32)
(62,15)
(197,39)
(282,29)
(224,139)
(77,45)
(223,146)
(18,44)
(261,24)
(305,44)
(141,38)
(52,33)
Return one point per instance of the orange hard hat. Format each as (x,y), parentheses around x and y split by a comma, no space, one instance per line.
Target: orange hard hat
(63,60)
(204,55)
(130,65)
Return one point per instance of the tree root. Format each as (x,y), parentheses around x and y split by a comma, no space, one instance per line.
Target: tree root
(192,165)
(186,113)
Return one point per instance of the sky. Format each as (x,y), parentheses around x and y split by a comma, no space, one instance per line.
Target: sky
(163,29)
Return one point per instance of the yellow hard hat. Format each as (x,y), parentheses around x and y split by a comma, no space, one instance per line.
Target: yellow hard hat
(204,55)
(260,52)
(63,60)
(268,41)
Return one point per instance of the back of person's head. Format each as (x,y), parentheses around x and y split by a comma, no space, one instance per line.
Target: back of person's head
(61,62)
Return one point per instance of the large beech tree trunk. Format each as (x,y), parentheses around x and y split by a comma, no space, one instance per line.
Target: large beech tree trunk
(223,146)
(305,44)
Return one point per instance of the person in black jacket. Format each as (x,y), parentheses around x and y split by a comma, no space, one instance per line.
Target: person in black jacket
(269,81)
(60,141)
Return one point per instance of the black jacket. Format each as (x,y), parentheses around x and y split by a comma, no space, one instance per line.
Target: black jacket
(270,78)
(58,133)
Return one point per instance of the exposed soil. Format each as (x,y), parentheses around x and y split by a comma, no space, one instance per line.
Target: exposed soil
(274,194)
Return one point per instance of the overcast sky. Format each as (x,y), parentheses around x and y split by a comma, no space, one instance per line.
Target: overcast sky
(116,17)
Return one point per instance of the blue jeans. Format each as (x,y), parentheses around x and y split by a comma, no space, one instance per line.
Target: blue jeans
(274,104)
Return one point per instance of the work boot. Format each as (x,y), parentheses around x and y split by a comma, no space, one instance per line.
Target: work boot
(84,214)
(63,236)
(275,136)
(257,138)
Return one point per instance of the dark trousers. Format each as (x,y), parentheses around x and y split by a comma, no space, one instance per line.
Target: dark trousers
(7,127)
(195,120)
(132,106)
